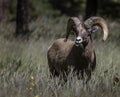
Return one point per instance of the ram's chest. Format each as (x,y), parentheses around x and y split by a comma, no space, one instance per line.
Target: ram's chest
(81,60)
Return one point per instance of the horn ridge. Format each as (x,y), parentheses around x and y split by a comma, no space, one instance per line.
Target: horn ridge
(71,22)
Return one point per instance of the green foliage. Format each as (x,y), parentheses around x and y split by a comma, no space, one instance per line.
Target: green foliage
(109,8)
(12,10)
(36,8)
(39,7)
(69,7)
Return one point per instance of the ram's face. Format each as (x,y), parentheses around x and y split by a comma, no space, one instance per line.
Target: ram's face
(82,35)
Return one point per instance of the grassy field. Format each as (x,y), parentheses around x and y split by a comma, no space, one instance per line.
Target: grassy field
(23,64)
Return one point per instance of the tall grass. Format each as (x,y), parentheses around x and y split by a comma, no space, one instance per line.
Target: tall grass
(24,71)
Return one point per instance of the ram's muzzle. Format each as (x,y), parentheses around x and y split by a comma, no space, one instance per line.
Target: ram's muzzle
(78,41)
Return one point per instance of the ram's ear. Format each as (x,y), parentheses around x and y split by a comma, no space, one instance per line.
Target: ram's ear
(72,32)
(93,29)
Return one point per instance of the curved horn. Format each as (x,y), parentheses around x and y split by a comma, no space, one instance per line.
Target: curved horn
(90,22)
(73,21)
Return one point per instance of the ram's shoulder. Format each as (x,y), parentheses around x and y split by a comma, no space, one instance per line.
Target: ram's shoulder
(62,41)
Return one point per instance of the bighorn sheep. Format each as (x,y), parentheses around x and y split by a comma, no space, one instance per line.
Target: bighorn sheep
(80,55)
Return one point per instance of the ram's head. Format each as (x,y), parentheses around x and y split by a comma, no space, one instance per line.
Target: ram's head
(83,29)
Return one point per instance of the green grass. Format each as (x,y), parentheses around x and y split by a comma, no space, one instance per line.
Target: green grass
(20,60)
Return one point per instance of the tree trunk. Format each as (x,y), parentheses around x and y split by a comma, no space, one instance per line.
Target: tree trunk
(22,18)
(91,8)
(4,5)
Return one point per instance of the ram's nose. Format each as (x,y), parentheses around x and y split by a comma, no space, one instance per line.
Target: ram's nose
(78,40)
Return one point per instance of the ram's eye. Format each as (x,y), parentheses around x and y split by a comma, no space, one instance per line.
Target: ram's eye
(72,32)
(85,39)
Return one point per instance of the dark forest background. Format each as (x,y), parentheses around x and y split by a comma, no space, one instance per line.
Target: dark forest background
(24,11)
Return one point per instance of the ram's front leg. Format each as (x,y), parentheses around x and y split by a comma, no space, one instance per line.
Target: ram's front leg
(88,73)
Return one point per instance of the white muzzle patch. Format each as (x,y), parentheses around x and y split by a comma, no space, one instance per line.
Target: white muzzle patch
(78,40)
